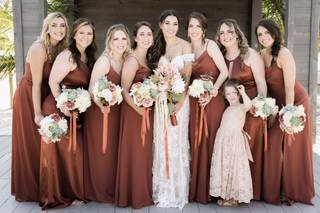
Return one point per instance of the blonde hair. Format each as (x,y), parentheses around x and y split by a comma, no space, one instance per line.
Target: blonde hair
(51,51)
(242,40)
(109,36)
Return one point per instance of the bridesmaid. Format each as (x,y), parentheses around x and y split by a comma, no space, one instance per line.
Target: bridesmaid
(61,171)
(100,167)
(134,172)
(288,170)
(246,66)
(27,103)
(210,63)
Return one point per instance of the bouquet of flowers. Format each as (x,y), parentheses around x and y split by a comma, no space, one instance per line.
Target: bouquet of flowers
(106,92)
(264,107)
(202,87)
(292,118)
(74,99)
(168,80)
(143,93)
(52,128)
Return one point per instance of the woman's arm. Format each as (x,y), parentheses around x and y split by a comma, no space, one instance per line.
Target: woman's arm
(187,70)
(258,70)
(60,69)
(100,68)
(215,53)
(36,57)
(287,63)
(129,70)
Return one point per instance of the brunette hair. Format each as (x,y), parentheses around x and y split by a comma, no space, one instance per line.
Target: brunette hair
(275,33)
(90,50)
(159,46)
(202,20)
(136,29)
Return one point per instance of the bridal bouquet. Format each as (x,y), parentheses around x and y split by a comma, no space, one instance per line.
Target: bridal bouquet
(52,128)
(264,107)
(202,87)
(106,92)
(292,118)
(143,93)
(74,99)
(168,80)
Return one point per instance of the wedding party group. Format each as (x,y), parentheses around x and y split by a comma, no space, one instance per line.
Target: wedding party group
(159,120)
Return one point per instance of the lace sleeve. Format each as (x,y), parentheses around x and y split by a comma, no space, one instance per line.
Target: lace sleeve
(188,57)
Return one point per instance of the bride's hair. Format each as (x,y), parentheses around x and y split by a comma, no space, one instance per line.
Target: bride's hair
(158,49)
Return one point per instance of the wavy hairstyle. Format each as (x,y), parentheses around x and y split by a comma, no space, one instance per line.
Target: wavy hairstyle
(136,29)
(158,48)
(109,36)
(53,51)
(201,17)
(275,33)
(242,40)
(90,50)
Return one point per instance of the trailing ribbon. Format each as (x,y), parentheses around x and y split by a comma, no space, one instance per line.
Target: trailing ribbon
(161,117)
(145,124)
(247,146)
(202,123)
(106,110)
(73,131)
(265,136)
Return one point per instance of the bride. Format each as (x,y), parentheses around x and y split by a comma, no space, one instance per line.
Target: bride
(171,157)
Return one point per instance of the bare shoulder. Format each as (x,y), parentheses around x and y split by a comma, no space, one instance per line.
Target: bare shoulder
(212,44)
(284,53)
(131,61)
(103,61)
(186,46)
(37,49)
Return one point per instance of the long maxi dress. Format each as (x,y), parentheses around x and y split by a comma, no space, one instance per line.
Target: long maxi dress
(25,137)
(100,168)
(61,170)
(134,170)
(230,176)
(201,151)
(288,161)
(172,190)
(254,126)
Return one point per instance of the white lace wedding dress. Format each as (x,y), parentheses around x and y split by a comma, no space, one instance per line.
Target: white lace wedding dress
(171,189)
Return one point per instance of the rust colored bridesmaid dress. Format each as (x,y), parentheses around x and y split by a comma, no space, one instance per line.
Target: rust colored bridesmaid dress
(254,126)
(201,150)
(134,171)
(100,168)
(288,162)
(61,171)
(25,138)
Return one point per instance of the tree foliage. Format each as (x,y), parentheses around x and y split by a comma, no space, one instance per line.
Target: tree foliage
(7,61)
(274,10)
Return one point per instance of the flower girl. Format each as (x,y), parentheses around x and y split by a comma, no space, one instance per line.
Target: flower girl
(230,176)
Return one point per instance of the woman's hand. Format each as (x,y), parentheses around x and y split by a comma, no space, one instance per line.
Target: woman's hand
(241,89)
(38,118)
(65,111)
